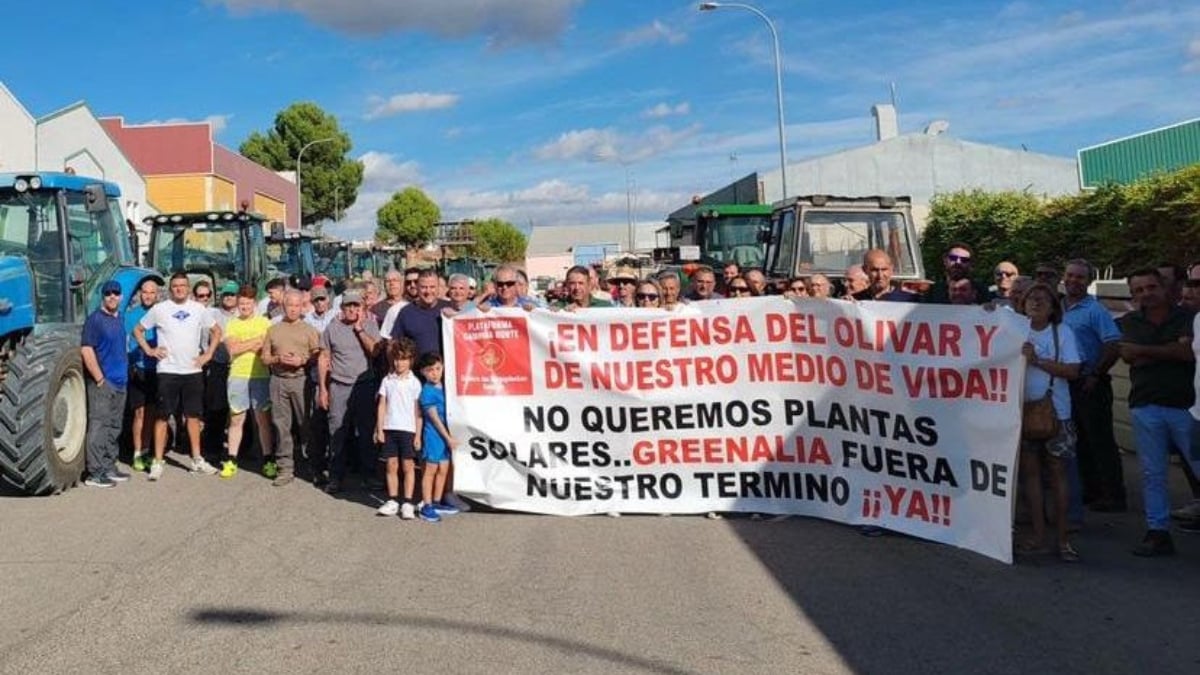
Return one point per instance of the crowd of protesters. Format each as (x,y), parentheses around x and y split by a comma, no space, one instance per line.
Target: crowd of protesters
(345,384)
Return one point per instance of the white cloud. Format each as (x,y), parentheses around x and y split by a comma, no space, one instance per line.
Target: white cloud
(608,145)
(405,103)
(655,31)
(217,122)
(501,21)
(666,110)
(383,175)
(558,202)
(1193,55)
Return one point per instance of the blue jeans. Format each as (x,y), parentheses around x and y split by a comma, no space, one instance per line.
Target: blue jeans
(1155,429)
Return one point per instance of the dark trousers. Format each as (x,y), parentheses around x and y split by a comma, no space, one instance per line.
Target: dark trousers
(105,415)
(1099,458)
(352,425)
(216,411)
(316,452)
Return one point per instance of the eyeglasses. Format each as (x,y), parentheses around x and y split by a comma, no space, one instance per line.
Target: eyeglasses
(956,258)
(111,293)
(739,289)
(409,281)
(203,296)
(646,296)
(505,284)
(1001,273)
(621,282)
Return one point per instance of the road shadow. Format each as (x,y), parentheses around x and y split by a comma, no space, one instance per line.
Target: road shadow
(248,617)
(897,604)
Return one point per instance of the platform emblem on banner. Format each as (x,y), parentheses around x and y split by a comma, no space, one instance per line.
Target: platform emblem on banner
(496,351)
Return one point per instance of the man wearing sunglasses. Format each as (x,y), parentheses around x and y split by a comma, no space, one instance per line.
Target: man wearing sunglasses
(623,281)
(957,264)
(1004,276)
(107,364)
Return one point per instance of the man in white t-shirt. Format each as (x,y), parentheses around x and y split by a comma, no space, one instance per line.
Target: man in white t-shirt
(180,324)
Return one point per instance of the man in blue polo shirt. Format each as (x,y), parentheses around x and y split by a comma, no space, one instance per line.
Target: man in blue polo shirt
(1099,342)
(107,364)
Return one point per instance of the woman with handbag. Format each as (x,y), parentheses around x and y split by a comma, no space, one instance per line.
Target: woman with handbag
(1047,434)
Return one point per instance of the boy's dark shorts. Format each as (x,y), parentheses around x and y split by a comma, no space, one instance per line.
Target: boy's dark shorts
(143,388)
(397,444)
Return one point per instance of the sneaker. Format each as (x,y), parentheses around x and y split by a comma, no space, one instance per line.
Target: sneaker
(445,508)
(713,515)
(390,508)
(429,514)
(270,469)
(1156,543)
(1189,512)
(614,514)
(156,469)
(100,481)
(118,476)
(333,487)
(228,469)
(406,511)
(139,462)
(452,499)
(283,479)
(201,466)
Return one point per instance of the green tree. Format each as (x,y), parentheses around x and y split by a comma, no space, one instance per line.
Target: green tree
(329,178)
(498,240)
(993,224)
(409,219)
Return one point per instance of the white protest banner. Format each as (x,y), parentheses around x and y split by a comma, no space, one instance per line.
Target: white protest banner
(890,414)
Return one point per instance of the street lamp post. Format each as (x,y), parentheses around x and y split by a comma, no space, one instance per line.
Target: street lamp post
(299,186)
(709,6)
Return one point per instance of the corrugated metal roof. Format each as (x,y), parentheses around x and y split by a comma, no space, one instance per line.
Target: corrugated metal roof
(1125,160)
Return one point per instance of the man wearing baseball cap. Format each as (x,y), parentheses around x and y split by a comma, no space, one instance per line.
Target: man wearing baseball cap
(107,364)
(346,388)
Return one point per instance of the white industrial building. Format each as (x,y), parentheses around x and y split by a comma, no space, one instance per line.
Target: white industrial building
(70,138)
(918,165)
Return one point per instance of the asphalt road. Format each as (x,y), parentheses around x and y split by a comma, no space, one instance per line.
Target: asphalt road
(195,574)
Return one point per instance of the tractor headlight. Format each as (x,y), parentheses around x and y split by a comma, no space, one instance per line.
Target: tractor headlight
(176,218)
(35,182)
(21,185)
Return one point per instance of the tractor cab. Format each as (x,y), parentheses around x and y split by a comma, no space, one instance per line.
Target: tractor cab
(216,246)
(333,260)
(822,234)
(290,252)
(71,231)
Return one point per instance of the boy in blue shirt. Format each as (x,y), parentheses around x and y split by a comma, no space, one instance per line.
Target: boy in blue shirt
(436,440)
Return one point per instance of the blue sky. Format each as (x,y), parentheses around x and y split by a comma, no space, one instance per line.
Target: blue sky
(544,111)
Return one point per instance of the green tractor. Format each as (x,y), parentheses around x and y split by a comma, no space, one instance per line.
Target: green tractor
(216,246)
(290,252)
(62,237)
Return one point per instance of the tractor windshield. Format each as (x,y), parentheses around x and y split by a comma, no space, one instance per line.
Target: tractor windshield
(215,249)
(30,227)
(734,238)
(831,241)
(292,257)
(331,261)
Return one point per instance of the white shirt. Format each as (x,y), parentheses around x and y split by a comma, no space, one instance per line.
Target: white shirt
(400,395)
(1196,378)
(1037,380)
(389,319)
(181,327)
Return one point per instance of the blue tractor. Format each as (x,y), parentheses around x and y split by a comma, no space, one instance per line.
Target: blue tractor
(61,237)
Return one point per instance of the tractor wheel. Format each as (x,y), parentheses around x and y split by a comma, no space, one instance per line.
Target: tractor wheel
(43,415)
